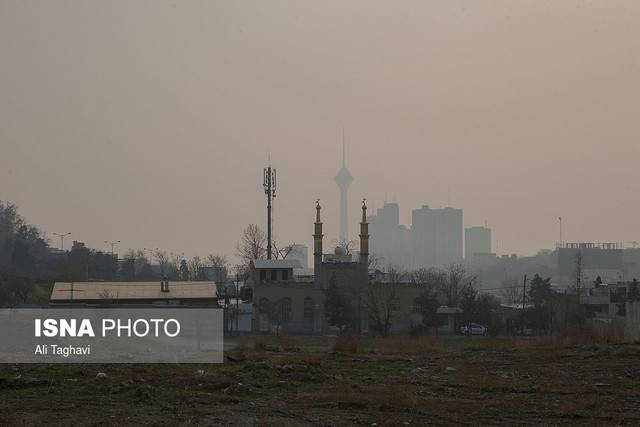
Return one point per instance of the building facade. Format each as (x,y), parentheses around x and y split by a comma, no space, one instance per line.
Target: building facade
(436,236)
(287,303)
(477,240)
(390,241)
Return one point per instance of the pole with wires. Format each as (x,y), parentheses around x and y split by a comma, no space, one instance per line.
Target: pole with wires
(524,291)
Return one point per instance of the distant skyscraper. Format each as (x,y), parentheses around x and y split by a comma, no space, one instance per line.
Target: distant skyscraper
(344,180)
(300,253)
(437,236)
(390,241)
(477,240)
(434,239)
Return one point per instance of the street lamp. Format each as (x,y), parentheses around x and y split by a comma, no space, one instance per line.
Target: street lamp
(62,236)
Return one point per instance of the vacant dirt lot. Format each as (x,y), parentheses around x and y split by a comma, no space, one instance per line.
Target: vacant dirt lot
(318,381)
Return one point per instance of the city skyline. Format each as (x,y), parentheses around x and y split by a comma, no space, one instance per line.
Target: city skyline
(158,139)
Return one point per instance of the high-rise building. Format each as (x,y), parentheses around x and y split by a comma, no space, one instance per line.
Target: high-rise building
(301,253)
(390,241)
(477,240)
(436,236)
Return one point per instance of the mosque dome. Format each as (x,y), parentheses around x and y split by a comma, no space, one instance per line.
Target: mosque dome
(340,251)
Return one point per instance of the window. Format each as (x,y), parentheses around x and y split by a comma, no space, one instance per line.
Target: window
(285,274)
(308,308)
(274,274)
(285,309)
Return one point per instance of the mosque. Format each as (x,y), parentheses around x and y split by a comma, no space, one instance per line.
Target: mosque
(293,304)
(289,304)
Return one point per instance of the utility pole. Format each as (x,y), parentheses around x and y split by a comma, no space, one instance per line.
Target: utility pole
(524,296)
(62,236)
(578,272)
(237,302)
(269,185)
(113,245)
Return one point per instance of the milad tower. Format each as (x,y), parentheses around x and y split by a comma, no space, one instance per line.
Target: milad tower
(344,180)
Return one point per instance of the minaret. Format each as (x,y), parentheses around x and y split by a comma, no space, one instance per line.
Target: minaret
(364,236)
(343,179)
(317,247)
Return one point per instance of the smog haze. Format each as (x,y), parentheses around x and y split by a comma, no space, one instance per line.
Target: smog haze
(151,125)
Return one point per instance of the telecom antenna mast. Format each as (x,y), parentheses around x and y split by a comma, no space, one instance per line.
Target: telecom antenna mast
(270,190)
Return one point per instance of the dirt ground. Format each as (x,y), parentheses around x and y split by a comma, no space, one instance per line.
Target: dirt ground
(321,381)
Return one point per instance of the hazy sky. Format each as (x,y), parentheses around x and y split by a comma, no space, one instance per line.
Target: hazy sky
(149,121)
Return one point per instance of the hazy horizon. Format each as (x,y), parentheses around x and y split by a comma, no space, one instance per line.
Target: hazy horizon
(150,123)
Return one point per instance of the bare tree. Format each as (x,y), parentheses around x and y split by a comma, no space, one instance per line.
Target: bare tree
(511,291)
(429,277)
(163,261)
(457,280)
(215,260)
(242,272)
(281,252)
(219,264)
(382,302)
(173,268)
(138,259)
(374,262)
(279,313)
(252,244)
(194,265)
(347,245)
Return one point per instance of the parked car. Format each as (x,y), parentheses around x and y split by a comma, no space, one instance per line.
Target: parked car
(474,329)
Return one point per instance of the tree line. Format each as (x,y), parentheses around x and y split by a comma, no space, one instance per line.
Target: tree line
(453,287)
(29,266)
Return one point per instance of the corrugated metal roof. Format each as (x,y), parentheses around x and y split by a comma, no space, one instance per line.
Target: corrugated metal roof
(276,263)
(131,290)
